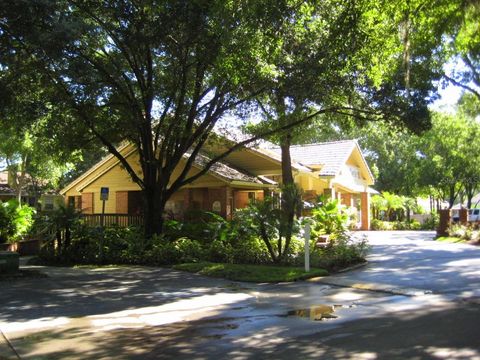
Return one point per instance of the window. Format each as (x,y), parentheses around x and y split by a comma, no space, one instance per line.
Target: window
(48,203)
(354,171)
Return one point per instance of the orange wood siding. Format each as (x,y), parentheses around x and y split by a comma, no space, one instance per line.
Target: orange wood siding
(87,203)
(121,202)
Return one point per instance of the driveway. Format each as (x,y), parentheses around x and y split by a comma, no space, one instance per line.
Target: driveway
(155,313)
(413,261)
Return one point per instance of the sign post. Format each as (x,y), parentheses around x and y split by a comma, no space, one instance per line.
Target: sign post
(307,247)
(104,197)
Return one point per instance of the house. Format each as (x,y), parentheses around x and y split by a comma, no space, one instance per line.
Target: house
(44,201)
(6,192)
(8,188)
(337,169)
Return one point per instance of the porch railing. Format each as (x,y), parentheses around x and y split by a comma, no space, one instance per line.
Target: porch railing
(109,220)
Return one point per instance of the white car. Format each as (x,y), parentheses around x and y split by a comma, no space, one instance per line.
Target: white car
(473,215)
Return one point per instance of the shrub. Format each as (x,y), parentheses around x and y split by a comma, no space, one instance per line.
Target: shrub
(265,221)
(394,225)
(189,250)
(89,245)
(251,251)
(341,252)
(163,252)
(15,220)
(431,223)
(468,232)
(329,217)
(381,225)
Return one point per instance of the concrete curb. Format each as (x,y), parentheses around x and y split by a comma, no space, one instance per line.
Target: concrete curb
(350,268)
(376,287)
(353,267)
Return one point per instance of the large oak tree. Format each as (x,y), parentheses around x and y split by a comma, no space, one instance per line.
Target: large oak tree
(161,74)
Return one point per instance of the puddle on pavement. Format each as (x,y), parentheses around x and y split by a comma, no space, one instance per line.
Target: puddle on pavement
(317,312)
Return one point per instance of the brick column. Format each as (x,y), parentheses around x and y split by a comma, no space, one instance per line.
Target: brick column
(463,216)
(365,210)
(347,199)
(444,222)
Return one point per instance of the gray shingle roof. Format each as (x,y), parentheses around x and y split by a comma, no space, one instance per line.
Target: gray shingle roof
(226,171)
(331,155)
(6,190)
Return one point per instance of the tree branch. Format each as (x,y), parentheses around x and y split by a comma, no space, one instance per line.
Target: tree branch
(466,87)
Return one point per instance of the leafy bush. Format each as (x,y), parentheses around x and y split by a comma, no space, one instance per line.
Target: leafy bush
(15,220)
(468,232)
(329,217)
(89,245)
(213,239)
(264,220)
(394,225)
(381,225)
(431,223)
(341,252)
(404,225)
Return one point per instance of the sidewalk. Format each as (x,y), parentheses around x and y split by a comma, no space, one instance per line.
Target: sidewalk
(6,351)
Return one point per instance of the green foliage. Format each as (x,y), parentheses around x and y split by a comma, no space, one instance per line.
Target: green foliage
(468,232)
(15,221)
(342,252)
(251,273)
(376,224)
(212,239)
(329,217)
(102,69)
(392,207)
(431,223)
(266,221)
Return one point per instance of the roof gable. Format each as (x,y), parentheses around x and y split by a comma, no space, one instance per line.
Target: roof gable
(220,170)
(330,157)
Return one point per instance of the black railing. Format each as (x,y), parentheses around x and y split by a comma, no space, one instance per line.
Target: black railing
(110,220)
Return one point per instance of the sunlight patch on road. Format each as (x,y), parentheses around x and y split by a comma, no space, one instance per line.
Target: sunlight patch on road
(181,310)
(464,263)
(347,296)
(453,353)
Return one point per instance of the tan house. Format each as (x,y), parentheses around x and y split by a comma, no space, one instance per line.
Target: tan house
(337,169)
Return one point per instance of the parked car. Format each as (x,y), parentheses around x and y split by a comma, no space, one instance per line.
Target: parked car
(473,215)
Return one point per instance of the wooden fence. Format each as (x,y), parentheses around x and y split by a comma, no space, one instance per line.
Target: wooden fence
(109,220)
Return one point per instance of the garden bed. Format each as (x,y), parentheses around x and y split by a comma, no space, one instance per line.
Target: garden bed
(251,273)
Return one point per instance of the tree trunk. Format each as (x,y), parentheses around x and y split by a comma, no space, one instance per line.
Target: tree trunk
(288,202)
(451,196)
(154,200)
(469,192)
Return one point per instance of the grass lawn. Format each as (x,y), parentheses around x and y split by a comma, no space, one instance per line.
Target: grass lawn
(251,273)
(451,239)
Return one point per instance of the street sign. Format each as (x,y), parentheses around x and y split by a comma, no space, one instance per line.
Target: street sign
(104,193)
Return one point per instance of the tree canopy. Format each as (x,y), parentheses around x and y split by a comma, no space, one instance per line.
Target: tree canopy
(161,74)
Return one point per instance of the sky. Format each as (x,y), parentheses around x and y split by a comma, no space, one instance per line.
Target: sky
(448,99)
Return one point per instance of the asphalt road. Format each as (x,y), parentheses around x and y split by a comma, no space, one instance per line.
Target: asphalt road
(413,260)
(416,299)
